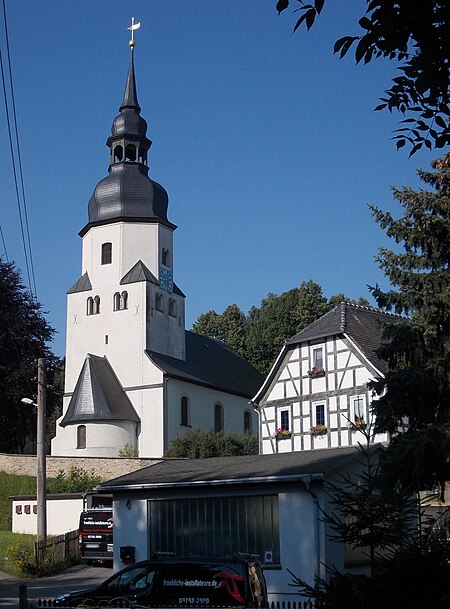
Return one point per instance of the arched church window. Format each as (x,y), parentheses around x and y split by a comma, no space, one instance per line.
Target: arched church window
(96,309)
(118,153)
(130,152)
(90,306)
(184,411)
(81,436)
(106,253)
(124,300)
(159,305)
(218,418)
(247,422)
(142,156)
(165,257)
(116,302)
(172,307)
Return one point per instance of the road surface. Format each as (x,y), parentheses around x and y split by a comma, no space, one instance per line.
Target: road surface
(75,578)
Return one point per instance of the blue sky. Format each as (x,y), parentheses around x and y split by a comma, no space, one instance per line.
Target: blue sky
(266,143)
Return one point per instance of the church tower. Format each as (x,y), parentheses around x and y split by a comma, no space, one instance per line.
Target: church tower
(134,376)
(126,302)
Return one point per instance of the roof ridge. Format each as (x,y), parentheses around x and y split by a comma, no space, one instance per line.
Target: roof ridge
(373,310)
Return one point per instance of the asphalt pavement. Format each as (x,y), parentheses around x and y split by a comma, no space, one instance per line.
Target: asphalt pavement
(74,578)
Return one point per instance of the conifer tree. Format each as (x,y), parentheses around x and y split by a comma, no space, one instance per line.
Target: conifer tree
(414,402)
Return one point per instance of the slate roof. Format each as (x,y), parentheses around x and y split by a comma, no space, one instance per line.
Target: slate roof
(83,284)
(140,272)
(211,364)
(363,324)
(318,463)
(98,395)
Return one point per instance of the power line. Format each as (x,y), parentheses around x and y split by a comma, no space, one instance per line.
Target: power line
(4,244)
(23,215)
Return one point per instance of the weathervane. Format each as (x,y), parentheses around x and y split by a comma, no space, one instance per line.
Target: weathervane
(134,26)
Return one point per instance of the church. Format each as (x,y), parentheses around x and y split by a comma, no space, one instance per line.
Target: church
(135,378)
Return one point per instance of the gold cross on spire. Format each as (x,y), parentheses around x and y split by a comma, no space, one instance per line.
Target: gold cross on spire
(134,26)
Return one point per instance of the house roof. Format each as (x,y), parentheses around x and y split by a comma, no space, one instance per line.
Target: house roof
(364,325)
(238,470)
(98,395)
(211,363)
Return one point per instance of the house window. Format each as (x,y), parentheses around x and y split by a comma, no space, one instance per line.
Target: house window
(106,253)
(172,307)
(215,526)
(81,436)
(247,422)
(159,302)
(284,419)
(184,411)
(18,509)
(358,406)
(320,414)
(317,358)
(218,418)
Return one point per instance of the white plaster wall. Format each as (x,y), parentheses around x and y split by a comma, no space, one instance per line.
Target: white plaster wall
(102,439)
(201,406)
(130,528)
(148,403)
(63,515)
(298,544)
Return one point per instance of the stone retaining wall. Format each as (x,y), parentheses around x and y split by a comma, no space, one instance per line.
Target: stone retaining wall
(105,467)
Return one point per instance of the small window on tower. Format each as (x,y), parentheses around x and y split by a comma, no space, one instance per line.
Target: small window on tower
(159,305)
(118,153)
(172,307)
(130,152)
(81,436)
(218,418)
(106,253)
(165,257)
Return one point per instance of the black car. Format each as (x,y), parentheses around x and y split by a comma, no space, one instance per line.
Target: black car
(178,582)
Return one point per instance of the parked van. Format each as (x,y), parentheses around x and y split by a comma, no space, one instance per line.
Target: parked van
(178,582)
(96,535)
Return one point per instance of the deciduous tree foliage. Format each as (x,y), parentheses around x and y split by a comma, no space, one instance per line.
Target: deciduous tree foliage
(24,334)
(259,336)
(416,35)
(416,389)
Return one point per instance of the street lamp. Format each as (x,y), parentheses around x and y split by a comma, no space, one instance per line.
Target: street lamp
(40,452)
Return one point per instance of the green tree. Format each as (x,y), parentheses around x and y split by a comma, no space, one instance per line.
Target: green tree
(416,35)
(416,390)
(74,480)
(24,334)
(414,402)
(198,444)
(228,327)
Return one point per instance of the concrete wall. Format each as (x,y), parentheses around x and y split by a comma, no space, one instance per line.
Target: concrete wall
(63,514)
(104,467)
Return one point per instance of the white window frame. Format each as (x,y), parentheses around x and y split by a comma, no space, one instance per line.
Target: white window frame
(353,414)
(314,348)
(288,410)
(314,413)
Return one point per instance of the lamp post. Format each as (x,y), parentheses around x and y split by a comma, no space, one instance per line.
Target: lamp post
(40,451)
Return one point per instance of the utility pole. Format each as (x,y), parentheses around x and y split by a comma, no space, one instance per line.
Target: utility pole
(40,453)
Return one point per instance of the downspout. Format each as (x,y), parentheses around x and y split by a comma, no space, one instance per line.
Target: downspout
(165,416)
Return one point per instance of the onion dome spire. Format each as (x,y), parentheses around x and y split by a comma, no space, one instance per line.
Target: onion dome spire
(128,194)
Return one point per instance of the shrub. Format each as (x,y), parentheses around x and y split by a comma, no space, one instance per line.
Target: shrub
(128,451)
(74,480)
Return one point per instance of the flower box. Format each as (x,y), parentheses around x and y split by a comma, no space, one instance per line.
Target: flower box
(315,373)
(318,430)
(358,424)
(282,434)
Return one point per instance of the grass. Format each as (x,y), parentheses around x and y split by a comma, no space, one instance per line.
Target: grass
(8,539)
(12,484)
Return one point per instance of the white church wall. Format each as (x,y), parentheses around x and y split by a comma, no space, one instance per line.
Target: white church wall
(201,402)
(103,439)
(148,403)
